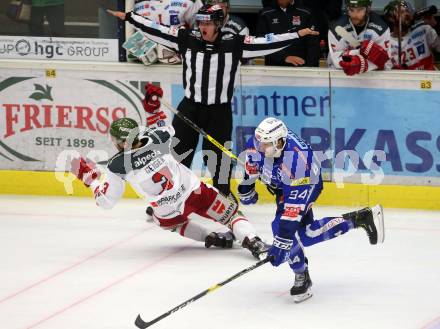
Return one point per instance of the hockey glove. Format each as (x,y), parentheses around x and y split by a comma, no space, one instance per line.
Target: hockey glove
(84,170)
(374,53)
(247,194)
(280,250)
(354,64)
(151,102)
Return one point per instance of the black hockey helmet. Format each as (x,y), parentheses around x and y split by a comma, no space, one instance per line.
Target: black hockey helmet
(392,13)
(216,2)
(211,13)
(358,3)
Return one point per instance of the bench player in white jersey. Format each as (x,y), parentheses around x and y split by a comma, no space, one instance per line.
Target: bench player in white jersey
(366,28)
(173,190)
(417,39)
(170,13)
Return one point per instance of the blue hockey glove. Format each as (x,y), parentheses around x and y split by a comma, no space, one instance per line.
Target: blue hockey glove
(280,250)
(247,194)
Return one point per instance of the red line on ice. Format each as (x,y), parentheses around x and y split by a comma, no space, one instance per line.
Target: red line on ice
(114,283)
(434,324)
(62,271)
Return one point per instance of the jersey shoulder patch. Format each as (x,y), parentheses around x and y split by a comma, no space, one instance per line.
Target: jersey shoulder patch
(305,10)
(293,140)
(377,24)
(156,135)
(116,164)
(341,21)
(418,24)
(267,12)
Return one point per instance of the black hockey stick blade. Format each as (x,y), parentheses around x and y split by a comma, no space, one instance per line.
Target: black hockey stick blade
(141,323)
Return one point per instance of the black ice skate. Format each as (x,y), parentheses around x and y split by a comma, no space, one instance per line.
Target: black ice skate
(257,247)
(371,220)
(220,240)
(149,212)
(301,289)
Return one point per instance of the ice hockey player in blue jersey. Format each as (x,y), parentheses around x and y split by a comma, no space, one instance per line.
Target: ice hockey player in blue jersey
(287,165)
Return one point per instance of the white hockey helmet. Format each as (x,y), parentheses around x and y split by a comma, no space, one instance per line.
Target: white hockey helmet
(267,136)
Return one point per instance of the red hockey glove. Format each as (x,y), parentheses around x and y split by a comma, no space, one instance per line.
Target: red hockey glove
(374,53)
(354,64)
(84,171)
(151,102)
(157,119)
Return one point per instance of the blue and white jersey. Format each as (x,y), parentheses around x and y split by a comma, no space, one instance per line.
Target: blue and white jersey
(295,176)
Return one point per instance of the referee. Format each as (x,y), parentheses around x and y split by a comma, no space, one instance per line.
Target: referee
(210,62)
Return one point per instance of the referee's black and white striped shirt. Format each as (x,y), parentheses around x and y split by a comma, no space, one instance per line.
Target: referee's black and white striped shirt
(209,68)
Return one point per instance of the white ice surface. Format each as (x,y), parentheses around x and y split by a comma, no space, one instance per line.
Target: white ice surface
(67,264)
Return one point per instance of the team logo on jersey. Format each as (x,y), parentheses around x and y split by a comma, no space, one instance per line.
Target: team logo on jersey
(174,31)
(251,168)
(300,181)
(275,21)
(291,212)
(174,20)
(296,20)
(248,39)
(421,49)
(375,26)
(368,36)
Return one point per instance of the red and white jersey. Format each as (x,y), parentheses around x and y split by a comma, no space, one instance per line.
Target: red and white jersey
(416,48)
(375,29)
(169,12)
(152,172)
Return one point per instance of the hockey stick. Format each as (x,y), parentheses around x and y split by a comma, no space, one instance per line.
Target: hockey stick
(399,34)
(202,132)
(142,324)
(343,33)
(208,137)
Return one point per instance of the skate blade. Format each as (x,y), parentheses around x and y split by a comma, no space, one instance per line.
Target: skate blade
(302,297)
(379,222)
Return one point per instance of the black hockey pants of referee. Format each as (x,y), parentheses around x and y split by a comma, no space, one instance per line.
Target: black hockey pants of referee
(215,120)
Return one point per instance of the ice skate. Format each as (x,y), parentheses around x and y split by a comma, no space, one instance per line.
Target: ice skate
(301,289)
(257,247)
(371,220)
(220,240)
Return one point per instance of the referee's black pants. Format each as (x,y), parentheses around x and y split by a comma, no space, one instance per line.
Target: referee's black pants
(215,120)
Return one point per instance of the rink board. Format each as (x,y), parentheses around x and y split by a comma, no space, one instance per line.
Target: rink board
(378,130)
(350,194)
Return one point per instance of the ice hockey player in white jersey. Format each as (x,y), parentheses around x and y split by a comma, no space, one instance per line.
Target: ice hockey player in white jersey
(232,24)
(369,49)
(417,39)
(173,190)
(170,13)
